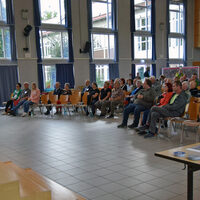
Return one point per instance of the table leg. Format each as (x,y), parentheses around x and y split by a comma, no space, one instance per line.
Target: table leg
(190,183)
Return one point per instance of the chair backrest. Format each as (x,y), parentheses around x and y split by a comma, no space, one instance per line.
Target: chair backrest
(44,98)
(64,99)
(84,98)
(193,109)
(75,98)
(53,98)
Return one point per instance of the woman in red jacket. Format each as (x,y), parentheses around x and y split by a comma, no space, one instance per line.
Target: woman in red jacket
(166,95)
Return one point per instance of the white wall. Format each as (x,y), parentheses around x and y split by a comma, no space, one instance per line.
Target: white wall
(28,67)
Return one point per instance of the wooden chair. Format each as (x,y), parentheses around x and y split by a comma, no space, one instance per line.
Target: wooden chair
(65,100)
(75,100)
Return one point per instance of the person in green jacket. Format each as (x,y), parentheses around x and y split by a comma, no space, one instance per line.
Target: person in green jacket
(15,97)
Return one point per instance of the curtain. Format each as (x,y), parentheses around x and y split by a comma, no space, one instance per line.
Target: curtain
(132,16)
(68,24)
(113,71)
(65,74)
(8,80)
(114,15)
(37,23)
(92,73)
(40,78)
(10,21)
(116,48)
(133,71)
(154,70)
(153,29)
(36,8)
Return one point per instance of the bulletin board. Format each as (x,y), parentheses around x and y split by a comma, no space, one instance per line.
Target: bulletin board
(189,70)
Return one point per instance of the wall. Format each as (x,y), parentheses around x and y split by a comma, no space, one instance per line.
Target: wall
(28,66)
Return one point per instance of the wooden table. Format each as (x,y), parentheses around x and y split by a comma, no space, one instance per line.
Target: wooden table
(192,166)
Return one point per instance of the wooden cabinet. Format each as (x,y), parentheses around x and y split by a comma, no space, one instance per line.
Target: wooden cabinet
(197,24)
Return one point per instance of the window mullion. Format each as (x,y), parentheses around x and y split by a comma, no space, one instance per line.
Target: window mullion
(62,46)
(3,36)
(42,43)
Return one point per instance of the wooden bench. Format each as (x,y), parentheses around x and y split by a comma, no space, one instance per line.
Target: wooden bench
(25,184)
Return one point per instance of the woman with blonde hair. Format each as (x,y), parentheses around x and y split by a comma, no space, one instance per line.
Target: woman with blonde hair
(33,99)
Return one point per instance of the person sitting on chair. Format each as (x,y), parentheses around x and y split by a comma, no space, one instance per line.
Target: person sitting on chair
(33,99)
(162,100)
(123,84)
(14,99)
(144,99)
(87,88)
(25,94)
(104,96)
(92,98)
(115,99)
(175,108)
(57,91)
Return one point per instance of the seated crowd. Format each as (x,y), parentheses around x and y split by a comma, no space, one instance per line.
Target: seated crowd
(155,98)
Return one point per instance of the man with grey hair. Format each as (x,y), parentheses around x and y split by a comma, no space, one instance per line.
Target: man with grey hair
(156,85)
(25,94)
(115,99)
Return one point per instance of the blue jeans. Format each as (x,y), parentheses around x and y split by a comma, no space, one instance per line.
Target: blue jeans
(14,109)
(145,116)
(133,108)
(26,105)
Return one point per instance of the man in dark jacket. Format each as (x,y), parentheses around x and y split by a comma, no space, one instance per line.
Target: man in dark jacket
(144,100)
(146,73)
(174,108)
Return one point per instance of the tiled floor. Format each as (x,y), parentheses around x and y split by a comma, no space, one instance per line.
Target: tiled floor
(94,158)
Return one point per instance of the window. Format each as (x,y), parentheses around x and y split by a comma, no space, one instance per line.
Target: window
(3,10)
(49,76)
(54,36)
(176,36)
(143,47)
(52,11)
(176,48)
(175,65)
(102,74)
(5,48)
(101,14)
(103,46)
(103,30)
(54,44)
(142,34)
(141,68)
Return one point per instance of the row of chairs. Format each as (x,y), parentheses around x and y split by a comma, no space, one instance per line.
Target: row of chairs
(66,101)
(188,119)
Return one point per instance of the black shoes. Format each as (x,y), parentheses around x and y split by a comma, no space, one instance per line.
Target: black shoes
(101,115)
(47,113)
(132,126)
(110,116)
(122,126)
(142,132)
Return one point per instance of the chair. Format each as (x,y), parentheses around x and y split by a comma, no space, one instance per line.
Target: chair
(75,100)
(65,100)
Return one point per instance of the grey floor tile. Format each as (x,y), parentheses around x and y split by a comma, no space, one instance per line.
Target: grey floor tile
(93,193)
(111,187)
(161,194)
(127,194)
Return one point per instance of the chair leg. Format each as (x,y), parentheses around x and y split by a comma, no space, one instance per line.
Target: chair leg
(159,126)
(197,134)
(182,133)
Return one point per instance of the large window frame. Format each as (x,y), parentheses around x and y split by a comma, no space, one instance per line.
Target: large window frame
(62,27)
(106,54)
(7,52)
(143,33)
(176,38)
(110,30)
